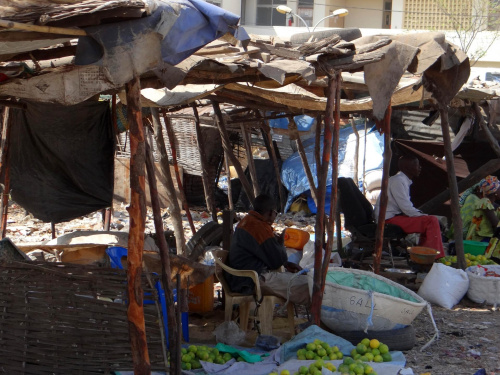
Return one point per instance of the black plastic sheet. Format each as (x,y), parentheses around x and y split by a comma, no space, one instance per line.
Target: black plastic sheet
(61,159)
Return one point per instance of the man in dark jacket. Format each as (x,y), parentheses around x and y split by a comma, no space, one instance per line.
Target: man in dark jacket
(255,247)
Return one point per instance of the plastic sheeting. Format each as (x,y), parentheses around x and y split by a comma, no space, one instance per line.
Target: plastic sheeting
(61,159)
(294,177)
(173,32)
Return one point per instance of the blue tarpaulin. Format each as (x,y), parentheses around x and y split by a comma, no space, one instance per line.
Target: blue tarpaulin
(174,31)
(294,177)
(303,122)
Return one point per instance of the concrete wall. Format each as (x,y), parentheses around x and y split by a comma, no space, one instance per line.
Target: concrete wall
(233,6)
(364,14)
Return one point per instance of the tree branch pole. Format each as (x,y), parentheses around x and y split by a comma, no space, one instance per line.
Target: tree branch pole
(5,170)
(317,145)
(452,181)
(173,150)
(335,173)
(175,211)
(316,298)
(166,276)
(205,175)
(229,188)
(356,152)
(267,130)
(226,144)
(491,139)
(251,162)
(294,135)
(379,235)
(137,215)
(364,160)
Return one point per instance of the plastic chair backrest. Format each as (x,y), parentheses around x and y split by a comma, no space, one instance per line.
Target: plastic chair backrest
(116,253)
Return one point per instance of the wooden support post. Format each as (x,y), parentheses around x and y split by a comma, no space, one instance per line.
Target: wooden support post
(226,144)
(115,122)
(53,229)
(316,296)
(338,227)
(333,197)
(181,295)
(364,160)
(205,175)
(491,139)
(379,236)
(5,170)
(294,135)
(317,145)
(490,167)
(356,152)
(174,344)
(267,130)
(107,218)
(229,188)
(452,181)
(137,215)
(175,211)
(251,162)
(173,150)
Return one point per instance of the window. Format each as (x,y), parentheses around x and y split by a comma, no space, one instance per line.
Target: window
(267,15)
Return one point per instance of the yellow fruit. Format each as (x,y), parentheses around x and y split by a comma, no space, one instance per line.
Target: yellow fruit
(285,372)
(369,357)
(365,341)
(374,343)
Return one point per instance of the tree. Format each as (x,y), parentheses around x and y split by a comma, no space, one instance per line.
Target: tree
(476,24)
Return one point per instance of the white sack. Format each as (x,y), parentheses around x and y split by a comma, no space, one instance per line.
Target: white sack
(445,286)
(484,289)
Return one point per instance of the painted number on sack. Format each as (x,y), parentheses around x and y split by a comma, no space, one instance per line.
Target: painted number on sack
(360,301)
(407,311)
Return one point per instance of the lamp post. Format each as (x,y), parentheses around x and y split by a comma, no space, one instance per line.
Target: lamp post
(283,9)
(337,13)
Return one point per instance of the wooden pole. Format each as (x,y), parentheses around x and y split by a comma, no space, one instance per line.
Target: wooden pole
(53,229)
(294,135)
(484,126)
(356,152)
(335,174)
(229,188)
(317,144)
(205,175)
(173,149)
(267,130)
(490,167)
(452,181)
(5,170)
(175,211)
(251,162)
(226,144)
(379,236)
(41,29)
(364,160)
(137,215)
(174,344)
(320,214)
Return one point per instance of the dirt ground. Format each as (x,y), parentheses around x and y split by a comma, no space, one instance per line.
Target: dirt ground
(469,333)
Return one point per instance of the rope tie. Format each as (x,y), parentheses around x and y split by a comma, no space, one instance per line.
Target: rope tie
(436,334)
(369,320)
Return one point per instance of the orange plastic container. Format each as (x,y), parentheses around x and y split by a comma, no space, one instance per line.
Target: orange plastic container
(295,238)
(201,296)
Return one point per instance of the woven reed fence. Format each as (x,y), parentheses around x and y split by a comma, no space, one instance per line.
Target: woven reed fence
(58,318)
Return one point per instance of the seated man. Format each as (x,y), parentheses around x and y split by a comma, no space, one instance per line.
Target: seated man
(400,210)
(255,247)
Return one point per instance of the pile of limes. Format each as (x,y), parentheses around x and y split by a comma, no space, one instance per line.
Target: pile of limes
(355,367)
(471,260)
(192,356)
(319,350)
(312,369)
(371,351)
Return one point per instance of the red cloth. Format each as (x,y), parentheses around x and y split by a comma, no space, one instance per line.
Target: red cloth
(426,225)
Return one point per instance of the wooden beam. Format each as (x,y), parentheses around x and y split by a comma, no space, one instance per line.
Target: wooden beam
(137,215)
(45,54)
(175,211)
(251,163)
(41,29)
(490,167)
(174,343)
(229,188)
(484,126)
(226,144)
(379,235)
(452,181)
(205,175)
(5,170)
(294,135)
(356,152)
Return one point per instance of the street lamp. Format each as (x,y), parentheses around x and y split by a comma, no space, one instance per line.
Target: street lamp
(283,9)
(336,13)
